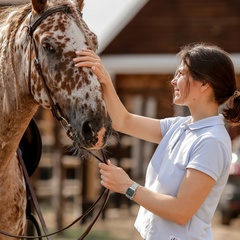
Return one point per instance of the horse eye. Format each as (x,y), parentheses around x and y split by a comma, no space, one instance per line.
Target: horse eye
(47,47)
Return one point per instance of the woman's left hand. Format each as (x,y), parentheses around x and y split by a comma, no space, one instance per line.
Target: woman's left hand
(114,178)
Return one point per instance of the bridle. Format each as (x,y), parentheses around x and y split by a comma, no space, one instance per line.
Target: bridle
(70,131)
(55,108)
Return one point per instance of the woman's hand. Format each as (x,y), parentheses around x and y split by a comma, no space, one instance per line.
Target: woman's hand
(87,58)
(114,178)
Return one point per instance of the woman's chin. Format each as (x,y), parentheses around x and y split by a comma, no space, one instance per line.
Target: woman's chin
(178,102)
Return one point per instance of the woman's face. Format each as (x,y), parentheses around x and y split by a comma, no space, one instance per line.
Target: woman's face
(185,87)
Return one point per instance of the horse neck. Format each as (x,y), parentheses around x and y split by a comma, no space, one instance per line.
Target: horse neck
(16,105)
(12,126)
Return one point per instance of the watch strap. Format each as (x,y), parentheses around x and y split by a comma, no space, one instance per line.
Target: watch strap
(131,191)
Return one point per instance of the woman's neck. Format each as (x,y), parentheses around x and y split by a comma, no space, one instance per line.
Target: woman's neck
(203,111)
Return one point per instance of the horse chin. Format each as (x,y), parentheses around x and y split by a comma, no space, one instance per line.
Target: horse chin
(98,146)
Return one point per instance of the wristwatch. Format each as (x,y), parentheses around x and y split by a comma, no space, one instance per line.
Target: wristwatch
(131,191)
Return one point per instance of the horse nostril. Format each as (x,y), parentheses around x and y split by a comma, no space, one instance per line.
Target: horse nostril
(87,130)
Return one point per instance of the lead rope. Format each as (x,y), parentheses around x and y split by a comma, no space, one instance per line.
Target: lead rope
(105,192)
(104,160)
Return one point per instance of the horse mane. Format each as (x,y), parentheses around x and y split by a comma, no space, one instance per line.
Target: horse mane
(14,16)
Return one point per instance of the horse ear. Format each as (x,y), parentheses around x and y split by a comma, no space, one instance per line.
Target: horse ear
(80,4)
(38,5)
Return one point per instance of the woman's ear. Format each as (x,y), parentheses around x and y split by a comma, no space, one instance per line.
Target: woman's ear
(204,86)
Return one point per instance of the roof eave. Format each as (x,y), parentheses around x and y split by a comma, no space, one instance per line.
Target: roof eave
(150,63)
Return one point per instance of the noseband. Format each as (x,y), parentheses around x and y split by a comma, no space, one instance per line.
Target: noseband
(57,113)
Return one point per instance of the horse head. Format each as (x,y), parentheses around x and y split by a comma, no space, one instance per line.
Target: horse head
(52,38)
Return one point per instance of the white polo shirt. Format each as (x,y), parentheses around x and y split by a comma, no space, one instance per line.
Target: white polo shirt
(204,145)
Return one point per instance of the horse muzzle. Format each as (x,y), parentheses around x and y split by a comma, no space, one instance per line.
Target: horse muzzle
(94,134)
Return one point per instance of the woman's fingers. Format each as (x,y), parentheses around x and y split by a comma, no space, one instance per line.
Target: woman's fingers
(87,54)
(103,166)
(85,61)
(85,58)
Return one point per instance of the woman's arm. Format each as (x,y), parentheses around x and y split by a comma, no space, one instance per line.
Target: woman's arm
(193,191)
(123,121)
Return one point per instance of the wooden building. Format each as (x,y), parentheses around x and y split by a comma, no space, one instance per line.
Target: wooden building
(163,26)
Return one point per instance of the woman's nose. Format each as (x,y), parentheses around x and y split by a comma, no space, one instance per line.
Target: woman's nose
(174,81)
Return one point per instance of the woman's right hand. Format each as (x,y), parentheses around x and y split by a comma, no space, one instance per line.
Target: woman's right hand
(88,58)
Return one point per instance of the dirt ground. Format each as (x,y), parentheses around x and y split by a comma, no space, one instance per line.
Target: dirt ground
(221,232)
(118,225)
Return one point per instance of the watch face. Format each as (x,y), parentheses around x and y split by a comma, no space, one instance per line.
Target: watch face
(130,192)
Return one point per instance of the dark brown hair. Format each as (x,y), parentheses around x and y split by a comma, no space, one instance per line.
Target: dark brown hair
(211,64)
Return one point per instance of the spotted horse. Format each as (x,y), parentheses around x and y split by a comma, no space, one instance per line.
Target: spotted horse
(38,41)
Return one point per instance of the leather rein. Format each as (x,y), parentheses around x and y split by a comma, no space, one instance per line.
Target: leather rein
(57,113)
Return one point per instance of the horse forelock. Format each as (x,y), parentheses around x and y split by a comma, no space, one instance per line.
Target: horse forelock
(91,38)
(76,7)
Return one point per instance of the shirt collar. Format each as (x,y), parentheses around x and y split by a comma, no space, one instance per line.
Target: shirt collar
(206,122)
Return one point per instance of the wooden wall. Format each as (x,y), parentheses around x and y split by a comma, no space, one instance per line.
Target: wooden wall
(156,87)
(163,26)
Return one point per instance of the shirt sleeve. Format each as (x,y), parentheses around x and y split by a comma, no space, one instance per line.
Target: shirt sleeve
(211,157)
(166,123)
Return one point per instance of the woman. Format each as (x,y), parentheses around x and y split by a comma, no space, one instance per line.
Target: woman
(190,166)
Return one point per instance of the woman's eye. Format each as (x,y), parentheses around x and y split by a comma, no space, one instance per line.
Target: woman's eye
(47,47)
